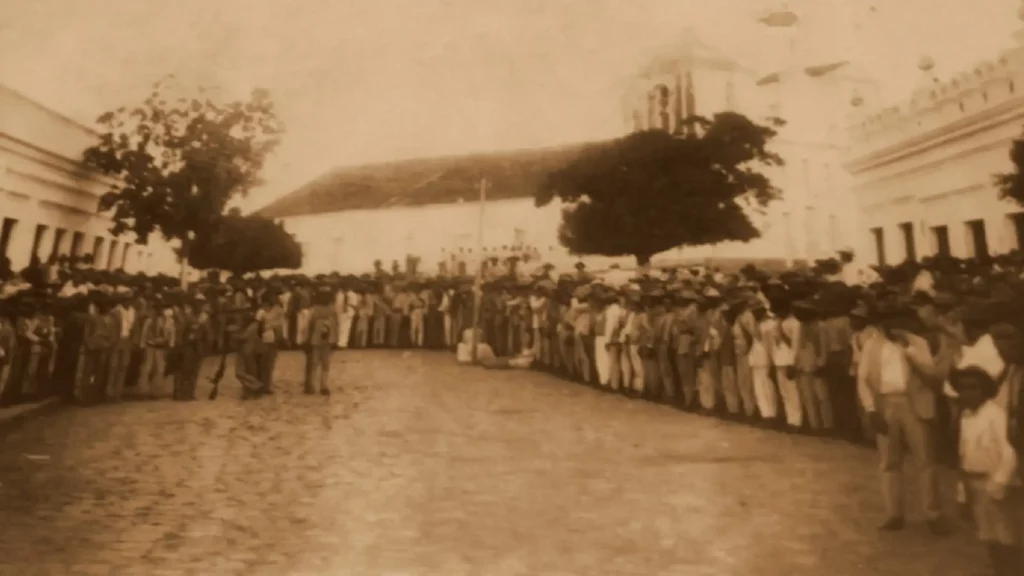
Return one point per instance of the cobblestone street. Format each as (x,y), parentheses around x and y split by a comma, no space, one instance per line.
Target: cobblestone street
(418,466)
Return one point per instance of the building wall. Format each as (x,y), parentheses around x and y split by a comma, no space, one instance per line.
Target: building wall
(350,241)
(927,164)
(48,200)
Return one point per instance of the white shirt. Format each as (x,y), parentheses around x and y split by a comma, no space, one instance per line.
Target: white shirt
(984,446)
(782,352)
(352,300)
(127,319)
(612,318)
(893,369)
(854,274)
(923,282)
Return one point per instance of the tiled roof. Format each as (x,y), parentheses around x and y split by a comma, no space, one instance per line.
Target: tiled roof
(424,181)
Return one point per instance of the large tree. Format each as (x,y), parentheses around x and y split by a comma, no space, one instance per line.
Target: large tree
(243,244)
(179,159)
(651,191)
(1011,184)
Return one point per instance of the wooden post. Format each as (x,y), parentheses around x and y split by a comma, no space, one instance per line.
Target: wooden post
(478,285)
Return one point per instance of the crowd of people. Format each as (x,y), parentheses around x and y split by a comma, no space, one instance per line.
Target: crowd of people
(921,359)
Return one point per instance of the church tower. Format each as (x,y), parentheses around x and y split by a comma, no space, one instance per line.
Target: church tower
(690,78)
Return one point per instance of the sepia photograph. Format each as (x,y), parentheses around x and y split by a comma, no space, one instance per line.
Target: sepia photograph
(512,288)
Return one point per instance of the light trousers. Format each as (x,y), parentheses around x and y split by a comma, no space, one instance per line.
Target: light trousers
(120,355)
(151,375)
(745,386)
(730,390)
(708,382)
(638,381)
(416,327)
(764,392)
(790,393)
(345,320)
(906,429)
(601,360)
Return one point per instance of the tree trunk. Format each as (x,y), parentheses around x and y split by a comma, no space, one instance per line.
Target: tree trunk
(643,263)
(185,245)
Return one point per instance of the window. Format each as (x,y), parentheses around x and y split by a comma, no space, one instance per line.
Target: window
(77,239)
(879,235)
(6,231)
(909,248)
(124,257)
(112,255)
(1017,220)
(941,235)
(97,251)
(37,240)
(976,237)
(58,239)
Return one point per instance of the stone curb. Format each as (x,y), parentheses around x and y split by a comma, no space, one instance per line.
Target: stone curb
(14,415)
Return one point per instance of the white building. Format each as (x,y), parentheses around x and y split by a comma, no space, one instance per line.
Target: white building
(426,208)
(811,220)
(351,217)
(48,199)
(923,169)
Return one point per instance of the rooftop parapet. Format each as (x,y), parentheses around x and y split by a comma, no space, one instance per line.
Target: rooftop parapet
(990,86)
(987,86)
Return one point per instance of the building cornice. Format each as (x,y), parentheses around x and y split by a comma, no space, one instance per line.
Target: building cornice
(925,166)
(986,119)
(51,160)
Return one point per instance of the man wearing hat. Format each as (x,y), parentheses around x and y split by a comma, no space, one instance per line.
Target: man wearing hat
(122,316)
(684,343)
(100,336)
(709,342)
(586,304)
(607,343)
(900,400)
(158,337)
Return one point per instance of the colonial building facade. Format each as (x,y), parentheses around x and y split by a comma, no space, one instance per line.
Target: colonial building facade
(48,200)
(812,220)
(427,208)
(923,169)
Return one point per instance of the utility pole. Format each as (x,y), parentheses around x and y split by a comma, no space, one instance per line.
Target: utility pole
(478,285)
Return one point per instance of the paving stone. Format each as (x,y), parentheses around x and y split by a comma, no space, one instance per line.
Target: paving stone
(419,466)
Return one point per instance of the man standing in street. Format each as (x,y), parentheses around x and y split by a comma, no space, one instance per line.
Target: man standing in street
(900,402)
(123,318)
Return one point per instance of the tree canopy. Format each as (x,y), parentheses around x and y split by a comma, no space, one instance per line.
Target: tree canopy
(652,191)
(179,160)
(243,244)
(1011,184)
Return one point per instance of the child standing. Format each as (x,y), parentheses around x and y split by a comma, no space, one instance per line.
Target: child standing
(989,465)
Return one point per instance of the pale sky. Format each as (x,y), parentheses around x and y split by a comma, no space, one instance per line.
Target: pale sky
(369,80)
